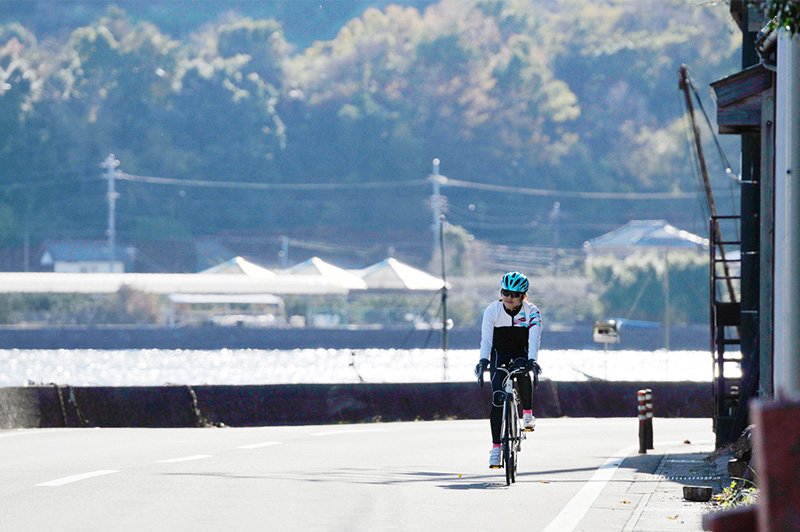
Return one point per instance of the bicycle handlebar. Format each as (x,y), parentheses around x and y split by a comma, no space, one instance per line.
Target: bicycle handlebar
(514,371)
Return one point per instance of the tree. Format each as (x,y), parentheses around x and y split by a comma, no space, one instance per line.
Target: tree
(565,96)
(785,13)
(633,287)
(457,242)
(24,157)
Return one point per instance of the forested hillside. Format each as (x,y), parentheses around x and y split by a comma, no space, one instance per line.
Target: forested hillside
(554,121)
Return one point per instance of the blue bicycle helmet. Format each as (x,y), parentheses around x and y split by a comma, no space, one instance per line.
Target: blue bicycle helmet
(515,282)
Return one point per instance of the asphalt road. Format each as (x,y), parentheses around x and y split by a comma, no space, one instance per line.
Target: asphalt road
(385,476)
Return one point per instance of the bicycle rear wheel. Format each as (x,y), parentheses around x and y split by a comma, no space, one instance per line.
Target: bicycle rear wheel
(515,438)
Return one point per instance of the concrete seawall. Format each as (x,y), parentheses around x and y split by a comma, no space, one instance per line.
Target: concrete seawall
(298,404)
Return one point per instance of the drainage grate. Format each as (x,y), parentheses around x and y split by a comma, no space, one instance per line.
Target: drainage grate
(694,478)
(656,478)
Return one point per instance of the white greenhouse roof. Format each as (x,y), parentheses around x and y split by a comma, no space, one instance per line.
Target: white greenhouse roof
(391,274)
(317,266)
(238,266)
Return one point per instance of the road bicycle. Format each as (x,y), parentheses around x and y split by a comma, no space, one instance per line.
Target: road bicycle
(511,430)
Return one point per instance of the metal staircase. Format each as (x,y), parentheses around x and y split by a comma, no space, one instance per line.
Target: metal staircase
(725,315)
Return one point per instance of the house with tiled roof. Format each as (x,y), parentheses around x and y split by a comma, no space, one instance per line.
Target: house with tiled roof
(85,256)
(642,236)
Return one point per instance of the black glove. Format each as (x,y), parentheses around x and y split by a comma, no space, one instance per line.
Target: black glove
(481,367)
(528,364)
(537,370)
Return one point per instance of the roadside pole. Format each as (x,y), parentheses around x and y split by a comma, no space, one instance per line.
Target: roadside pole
(445,362)
(667,323)
(436,207)
(110,165)
(787,217)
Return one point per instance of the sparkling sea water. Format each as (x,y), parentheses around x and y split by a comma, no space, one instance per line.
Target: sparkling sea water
(156,367)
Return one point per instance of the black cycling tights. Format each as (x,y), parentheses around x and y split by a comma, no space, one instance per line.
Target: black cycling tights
(525,390)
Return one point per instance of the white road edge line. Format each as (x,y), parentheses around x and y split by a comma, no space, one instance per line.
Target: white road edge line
(259,445)
(185,458)
(577,507)
(76,478)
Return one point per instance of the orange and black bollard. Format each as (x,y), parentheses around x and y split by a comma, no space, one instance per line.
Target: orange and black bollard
(642,398)
(648,397)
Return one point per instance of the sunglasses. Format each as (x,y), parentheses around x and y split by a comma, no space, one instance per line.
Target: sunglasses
(509,293)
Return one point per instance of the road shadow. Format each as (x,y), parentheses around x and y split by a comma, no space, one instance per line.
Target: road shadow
(686,468)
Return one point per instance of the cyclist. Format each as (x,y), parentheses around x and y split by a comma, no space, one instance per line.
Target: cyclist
(511,329)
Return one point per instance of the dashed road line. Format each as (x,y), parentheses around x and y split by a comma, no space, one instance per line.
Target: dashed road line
(185,458)
(336,432)
(76,478)
(259,445)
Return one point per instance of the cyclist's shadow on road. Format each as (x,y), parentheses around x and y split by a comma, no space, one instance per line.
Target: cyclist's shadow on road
(484,482)
(496,482)
(476,486)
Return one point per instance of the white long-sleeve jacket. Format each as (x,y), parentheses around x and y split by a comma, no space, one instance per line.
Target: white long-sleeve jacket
(516,335)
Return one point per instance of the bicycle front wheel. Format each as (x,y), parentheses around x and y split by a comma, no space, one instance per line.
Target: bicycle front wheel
(509,443)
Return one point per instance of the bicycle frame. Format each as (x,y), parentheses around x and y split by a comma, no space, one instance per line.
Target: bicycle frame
(511,430)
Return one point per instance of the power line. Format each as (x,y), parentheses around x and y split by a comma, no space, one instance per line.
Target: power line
(499,226)
(723,157)
(270,186)
(48,183)
(566,194)
(411,183)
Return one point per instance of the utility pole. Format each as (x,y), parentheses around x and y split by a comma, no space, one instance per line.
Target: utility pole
(444,297)
(110,165)
(26,252)
(437,206)
(555,214)
(284,253)
(667,323)
(712,207)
